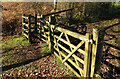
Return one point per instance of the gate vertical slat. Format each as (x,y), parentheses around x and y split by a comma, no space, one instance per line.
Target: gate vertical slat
(87,56)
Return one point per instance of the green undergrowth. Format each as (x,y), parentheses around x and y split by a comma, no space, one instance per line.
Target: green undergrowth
(14,41)
(11,52)
(45,48)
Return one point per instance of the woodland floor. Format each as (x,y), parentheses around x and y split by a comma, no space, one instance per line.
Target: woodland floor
(31,61)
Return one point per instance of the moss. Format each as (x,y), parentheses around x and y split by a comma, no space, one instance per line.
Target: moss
(10,56)
(15,42)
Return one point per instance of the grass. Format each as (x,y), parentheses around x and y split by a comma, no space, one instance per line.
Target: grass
(14,42)
(45,48)
(10,54)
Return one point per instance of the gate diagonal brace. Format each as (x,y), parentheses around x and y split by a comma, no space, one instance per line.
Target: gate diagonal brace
(73,51)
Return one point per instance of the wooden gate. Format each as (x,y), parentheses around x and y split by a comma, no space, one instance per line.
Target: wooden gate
(78,52)
(67,50)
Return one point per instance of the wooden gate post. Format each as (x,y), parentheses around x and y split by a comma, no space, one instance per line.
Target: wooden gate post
(99,51)
(87,56)
(94,50)
(23,21)
(35,22)
(98,37)
(29,24)
(51,32)
(49,35)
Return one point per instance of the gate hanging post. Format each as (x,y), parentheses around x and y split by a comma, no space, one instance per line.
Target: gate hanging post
(97,48)
(87,56)
(94,50)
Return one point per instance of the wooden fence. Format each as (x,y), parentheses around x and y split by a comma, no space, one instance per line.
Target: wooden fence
(80,53)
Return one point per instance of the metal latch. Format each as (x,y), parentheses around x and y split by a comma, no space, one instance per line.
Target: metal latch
(84,39)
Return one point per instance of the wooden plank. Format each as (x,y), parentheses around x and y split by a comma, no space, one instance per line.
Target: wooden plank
(68,41)
(87,56)
(44,35)
(73,34)
(45,27)
(73,51)
(80,60)
(26,30)
(26,17)
(81,71)
(42,21)
(59,37)
(47,33)
(25,24)
(68,66)
(47,21)
(55,41)
(38,23)
(23,20)
(26,35)
(94,51)
(38,17)
(79,50)
(44,40)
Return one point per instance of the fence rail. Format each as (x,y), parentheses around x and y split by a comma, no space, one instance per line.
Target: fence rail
(78,52)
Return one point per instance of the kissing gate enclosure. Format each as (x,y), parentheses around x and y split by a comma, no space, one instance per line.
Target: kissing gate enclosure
(80,53)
